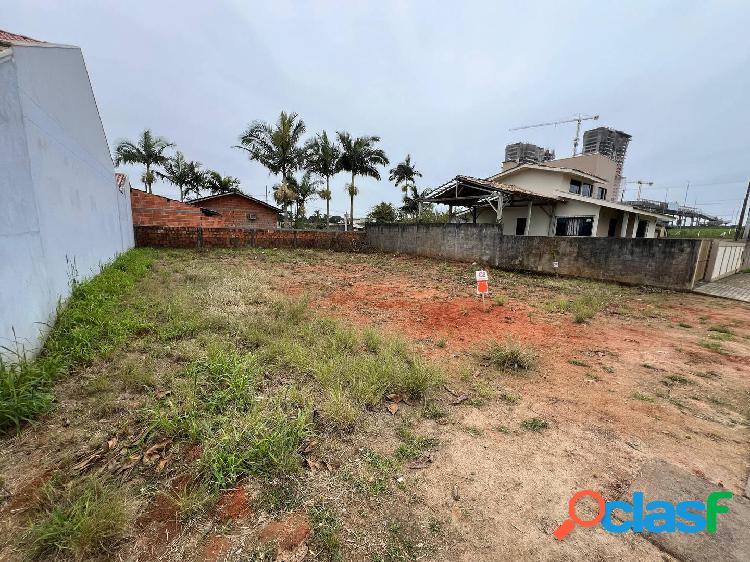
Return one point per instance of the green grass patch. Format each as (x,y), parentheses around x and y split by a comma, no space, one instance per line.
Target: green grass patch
(326,531)
(83,521)
(582,308)
(684,325)
(638,395)
(509,356)
(579,363)
(93,322)
(413,445)
(535,424)
(712,345)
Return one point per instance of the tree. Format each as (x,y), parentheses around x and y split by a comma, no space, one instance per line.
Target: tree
(180,173)
(276,147)
(322,158)
(284,195)
(411,202)
(217,184)
(149,151)
(404,174)
(360,156)
(383,212)
(305,188)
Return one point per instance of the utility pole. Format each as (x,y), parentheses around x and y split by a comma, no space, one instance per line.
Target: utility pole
(742,217)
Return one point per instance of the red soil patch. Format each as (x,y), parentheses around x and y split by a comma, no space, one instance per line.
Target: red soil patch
(215,548)
(288,533)
(233,504)
(159,524)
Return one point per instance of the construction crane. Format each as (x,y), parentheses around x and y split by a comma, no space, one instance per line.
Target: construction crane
(577,120)
(640,183)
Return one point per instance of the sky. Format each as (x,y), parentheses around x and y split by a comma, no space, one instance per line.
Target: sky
(442,81)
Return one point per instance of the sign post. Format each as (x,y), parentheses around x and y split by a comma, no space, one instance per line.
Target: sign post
(483,287)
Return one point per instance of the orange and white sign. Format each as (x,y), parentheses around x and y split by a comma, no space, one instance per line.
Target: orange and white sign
(483,286)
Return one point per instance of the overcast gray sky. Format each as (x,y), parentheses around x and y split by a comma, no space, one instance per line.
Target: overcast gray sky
(442,81)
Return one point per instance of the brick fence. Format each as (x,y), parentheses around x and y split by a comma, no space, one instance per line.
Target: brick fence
(225,237)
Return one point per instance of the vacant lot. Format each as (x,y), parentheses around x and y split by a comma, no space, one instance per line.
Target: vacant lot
(249,405)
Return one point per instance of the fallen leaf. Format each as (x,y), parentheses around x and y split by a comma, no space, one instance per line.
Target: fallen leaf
(309,446)
(162,463)
(313,464)
(393,408)
(84,464)
(459,400)
(112,443)
(395,397)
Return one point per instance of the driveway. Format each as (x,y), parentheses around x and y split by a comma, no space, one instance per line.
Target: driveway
(736,287)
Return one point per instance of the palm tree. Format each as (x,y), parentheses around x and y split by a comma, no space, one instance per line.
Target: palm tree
(217,184)
(179,173)
(149,151)
(322,158)
(284,194)
(276,147)
(404,174)
(360,157)
(306,188)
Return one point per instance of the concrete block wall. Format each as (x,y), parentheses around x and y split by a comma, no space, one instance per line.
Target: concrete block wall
(227,237)
(668,263)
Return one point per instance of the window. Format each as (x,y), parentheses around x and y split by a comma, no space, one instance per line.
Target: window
(520,226)
(586,189)
(252,216)
(574,226)
(601,193)
(575,186)
(641,231)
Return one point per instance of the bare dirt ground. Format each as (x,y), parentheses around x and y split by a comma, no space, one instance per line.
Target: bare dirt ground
(514,486)
(643,375)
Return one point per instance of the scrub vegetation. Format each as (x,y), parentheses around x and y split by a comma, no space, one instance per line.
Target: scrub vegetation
(190,405)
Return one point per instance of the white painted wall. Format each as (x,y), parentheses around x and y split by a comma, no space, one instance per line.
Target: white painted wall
(62,214)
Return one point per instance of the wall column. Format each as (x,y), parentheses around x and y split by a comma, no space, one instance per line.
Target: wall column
(528,220)
(624,225)
(635,225)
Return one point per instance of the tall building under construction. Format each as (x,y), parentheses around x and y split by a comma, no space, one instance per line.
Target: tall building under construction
(527,153)
(610,143)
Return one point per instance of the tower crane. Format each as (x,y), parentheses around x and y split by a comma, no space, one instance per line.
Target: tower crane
(640,183)
(577,120)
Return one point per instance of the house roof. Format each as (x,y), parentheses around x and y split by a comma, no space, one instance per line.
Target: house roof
(220,195)
(7,36)
(468,191)
(572,171)
(610,204)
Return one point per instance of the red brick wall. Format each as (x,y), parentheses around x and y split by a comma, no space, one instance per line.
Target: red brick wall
(226,237)
(155,210)
(236,210)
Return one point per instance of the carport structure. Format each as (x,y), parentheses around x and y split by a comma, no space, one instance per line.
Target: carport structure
(473,193)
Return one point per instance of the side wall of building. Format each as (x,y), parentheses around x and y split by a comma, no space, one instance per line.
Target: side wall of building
(155,210)
(59,188)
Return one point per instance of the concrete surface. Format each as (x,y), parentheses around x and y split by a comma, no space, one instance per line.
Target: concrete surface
(659,480)
(735,287)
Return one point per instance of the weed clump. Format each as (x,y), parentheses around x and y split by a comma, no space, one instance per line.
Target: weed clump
(83,521)
(509,356)
(534,424)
